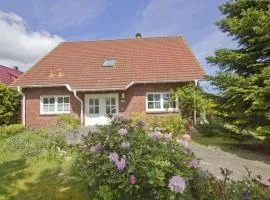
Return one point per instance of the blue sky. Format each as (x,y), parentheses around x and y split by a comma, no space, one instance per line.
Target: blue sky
(29,29)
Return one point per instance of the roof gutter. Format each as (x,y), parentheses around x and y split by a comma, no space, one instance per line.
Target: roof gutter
(19,89)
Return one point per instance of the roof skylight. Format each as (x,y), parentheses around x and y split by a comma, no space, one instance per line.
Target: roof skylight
(109,63)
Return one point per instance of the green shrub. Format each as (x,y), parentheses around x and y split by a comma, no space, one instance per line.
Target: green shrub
(146,162)
(68,121)
(7,131)
(172,123)
(10,101)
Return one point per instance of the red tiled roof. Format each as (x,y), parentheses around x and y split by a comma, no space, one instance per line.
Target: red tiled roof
(8,75)
(79,64)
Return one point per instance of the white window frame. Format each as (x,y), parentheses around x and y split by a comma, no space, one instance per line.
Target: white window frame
(162,108)
(55,112)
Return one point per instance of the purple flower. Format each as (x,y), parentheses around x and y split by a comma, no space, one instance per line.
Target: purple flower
(125,145)
(132,179)
(121,164)
(168,136)
(140,122)
(113,157)
(122,131)
(177,184)
(184,143)
(155,135)
(96,148)
(193,163)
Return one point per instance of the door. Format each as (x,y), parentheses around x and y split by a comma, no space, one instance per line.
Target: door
(97,106)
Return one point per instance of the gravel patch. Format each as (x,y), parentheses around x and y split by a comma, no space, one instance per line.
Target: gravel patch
(213,158)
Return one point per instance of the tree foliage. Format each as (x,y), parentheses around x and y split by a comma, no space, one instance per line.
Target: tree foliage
(9,105)
(243,79)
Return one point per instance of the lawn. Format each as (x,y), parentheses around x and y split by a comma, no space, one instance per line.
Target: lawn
(250,149)
(44,175)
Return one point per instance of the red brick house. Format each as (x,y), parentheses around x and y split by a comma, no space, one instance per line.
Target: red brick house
(8,75)
(92,78)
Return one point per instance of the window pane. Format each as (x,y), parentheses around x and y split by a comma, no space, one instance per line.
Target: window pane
(173,104)
(60,107)
(45,100)
(66,99)
(150,97)
(51,108)
(165,104)
(166,96)
(96,109)
(91,110)
(66,107)
(157,104)
(91,102)
(108,102)
(45,108)
(113,109)
(157,97)
(52,100)
(96,102)
(150,105)
(60,99)
(108,109)
(113,101)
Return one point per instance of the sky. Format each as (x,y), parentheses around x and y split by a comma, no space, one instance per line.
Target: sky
(29,29)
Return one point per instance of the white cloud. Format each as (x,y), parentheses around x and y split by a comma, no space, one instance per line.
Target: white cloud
(21,46)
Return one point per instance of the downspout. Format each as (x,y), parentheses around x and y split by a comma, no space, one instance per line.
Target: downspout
(19,89)
(81,101)
(195,112)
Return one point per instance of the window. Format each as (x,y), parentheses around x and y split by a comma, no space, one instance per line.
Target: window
(109,63)
(110,105)
(160,101)
(94,106)
(54,104)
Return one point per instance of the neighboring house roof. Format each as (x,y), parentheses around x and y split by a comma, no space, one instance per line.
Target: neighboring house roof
(8,75)
(80,64)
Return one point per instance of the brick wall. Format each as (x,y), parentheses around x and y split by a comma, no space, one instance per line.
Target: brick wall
(134,101)
(33,116)
(135,96)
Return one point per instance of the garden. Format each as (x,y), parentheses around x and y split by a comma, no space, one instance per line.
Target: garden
(130,158)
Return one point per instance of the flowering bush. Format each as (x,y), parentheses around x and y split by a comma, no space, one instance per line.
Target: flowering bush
(124,160)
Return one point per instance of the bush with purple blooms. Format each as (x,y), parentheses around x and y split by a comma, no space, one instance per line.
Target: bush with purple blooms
(125,160)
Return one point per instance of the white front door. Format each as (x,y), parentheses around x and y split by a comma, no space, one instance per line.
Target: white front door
(97,106)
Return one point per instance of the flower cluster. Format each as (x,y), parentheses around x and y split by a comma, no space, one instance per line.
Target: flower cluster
(132,179)
(177,184)
(122,131)
(193,163)
(120,163)
(184,143)
(125,145)
(96,148)
(155,135)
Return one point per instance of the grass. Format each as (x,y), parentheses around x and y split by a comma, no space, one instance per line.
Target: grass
(250,149)
(37,177)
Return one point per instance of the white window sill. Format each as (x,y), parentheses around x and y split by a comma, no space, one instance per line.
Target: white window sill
(54,113)
(162,111)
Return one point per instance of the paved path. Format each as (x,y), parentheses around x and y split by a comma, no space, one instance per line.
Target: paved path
(213,158)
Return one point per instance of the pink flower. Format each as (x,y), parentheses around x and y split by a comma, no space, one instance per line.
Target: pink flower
(132,179)
(168,136)
(96,148)
(113,157)
(121,164)
(122,131)
(184,143)
(177,184)
(193,163)
(155,135)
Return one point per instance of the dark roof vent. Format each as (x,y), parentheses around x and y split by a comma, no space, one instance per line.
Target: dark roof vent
(138,35)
